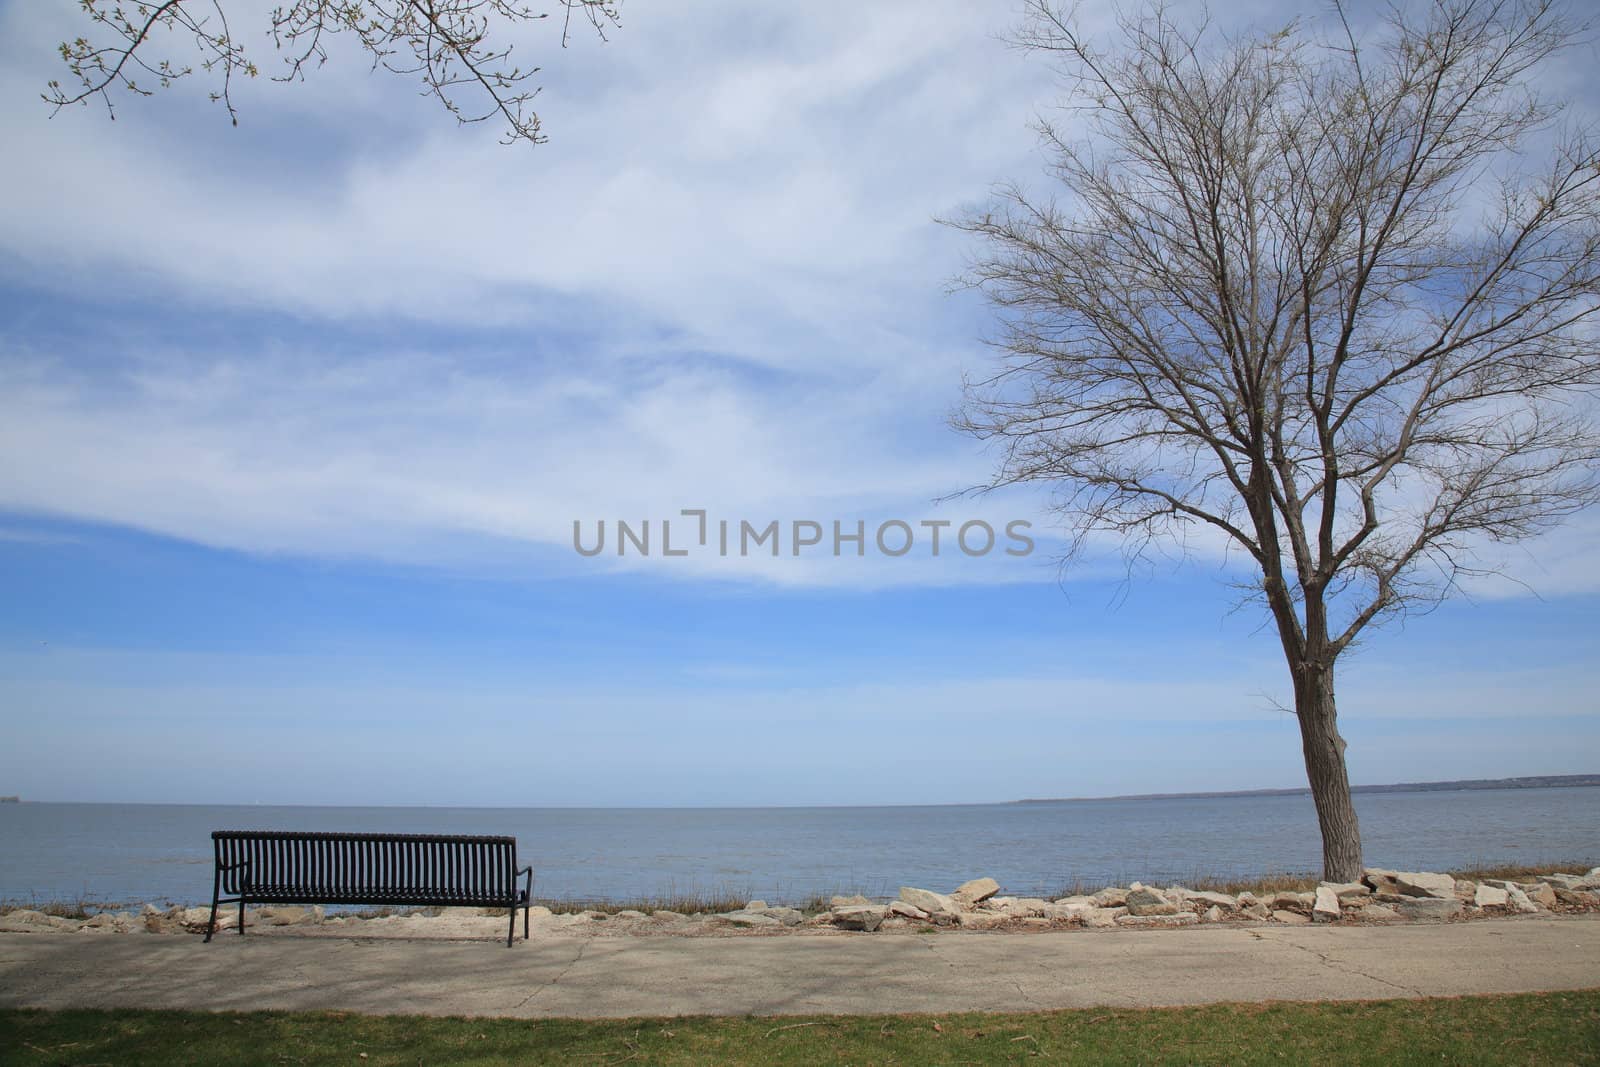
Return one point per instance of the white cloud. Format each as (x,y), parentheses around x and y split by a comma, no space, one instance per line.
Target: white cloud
(724,261)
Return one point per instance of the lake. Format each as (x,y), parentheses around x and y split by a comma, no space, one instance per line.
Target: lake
(126,853)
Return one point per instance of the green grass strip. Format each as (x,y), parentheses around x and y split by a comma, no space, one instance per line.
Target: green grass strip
(1541,1028)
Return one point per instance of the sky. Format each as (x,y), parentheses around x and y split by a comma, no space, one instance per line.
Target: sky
(296,419)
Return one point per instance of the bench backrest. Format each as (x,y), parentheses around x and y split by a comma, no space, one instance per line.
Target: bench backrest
(348,866)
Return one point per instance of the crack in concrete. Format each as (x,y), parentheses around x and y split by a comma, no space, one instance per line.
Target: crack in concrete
(525,1001)
(1322,957)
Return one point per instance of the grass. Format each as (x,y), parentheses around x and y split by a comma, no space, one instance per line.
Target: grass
(1545,1028)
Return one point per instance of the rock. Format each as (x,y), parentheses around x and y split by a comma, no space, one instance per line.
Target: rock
(1380,913)
(28,921)
(935,904)
(1256,910)
(1589,881)
(666,915)
(1188,918)
(1581,897)
(970,893)
(1540,893)
(1561,881)
(1066,912)
(749,919)
(1212,914)
(1518,901)
(630,913)
(1112,897)
(1465,890)
(1216,900)
(1079,900)
(1292,901)
(1025,908)
(845,902)
(1103,917)
(1293,918)
(755,905)
(1143,900)
(1487,896)
(1348,892)
(1431,907)
(859,916)
(288,916)
(909,911)
(1326,906)
(1410,883)
(980,920)
(785,916)
(1036,923)
(108,922)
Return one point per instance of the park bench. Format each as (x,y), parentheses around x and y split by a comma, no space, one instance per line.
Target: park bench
(427,870)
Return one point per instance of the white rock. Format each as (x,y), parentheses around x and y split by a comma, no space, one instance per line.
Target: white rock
(1143,900)
(1561,881)
(909,911)
(1519,902)
(1218,900)
(1430,907)
(1488,896)
(1540,893)
(747,919)
(935,904)
(288,915)
(1103,917)
(860,916)
(1293,918)
(1212,914)
(980,920)
(1025,908)
(845,902)
(786,916)
(1349,892)
(1326,907)
(27,920)
(755,905)
(1410,883)
(970,893)
(1111,897)
(1187,918)
(1079,900)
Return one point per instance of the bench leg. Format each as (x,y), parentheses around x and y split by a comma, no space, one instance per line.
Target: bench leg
(212,925)
(525,908)
(511,930)
(241,912)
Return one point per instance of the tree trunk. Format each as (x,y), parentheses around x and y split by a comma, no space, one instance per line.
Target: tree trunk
(1330,783)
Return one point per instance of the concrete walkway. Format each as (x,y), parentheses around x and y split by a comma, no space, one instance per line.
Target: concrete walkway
(653,976)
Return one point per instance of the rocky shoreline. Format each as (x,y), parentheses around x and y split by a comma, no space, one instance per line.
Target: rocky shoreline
(1381,897)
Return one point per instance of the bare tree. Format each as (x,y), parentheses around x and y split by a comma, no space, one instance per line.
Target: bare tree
(455,48)
(1329,299)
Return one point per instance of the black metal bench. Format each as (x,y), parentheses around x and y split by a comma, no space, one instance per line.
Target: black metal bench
(429,870)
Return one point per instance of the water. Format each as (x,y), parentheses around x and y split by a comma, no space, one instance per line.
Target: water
(135,852)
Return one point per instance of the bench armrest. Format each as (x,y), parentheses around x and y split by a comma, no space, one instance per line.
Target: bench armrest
(233,866)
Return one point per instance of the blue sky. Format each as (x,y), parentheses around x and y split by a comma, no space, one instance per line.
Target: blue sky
(297,418)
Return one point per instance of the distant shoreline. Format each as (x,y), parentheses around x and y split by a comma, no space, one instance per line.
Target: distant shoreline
(1541,781)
